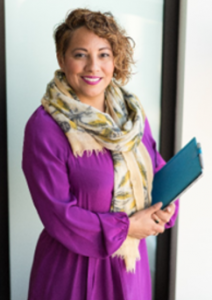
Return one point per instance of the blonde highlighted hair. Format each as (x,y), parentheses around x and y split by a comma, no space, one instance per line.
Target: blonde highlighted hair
(105,26)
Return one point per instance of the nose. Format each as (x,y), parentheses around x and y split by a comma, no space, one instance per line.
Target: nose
(92,64)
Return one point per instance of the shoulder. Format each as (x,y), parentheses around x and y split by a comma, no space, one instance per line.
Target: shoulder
(41,130)
(41,122)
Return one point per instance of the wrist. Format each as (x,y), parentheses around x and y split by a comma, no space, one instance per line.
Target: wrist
(131,226)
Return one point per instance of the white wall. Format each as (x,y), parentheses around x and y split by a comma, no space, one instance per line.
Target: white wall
(194,257)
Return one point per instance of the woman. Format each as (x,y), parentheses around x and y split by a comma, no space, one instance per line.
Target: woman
(91,181)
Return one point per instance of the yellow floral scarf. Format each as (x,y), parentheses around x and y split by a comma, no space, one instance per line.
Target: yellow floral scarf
(120,130)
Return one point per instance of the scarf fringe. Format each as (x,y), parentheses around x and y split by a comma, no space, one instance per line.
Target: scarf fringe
(89,152)
(130,262)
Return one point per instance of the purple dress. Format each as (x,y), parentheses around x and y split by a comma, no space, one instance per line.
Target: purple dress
(73,196)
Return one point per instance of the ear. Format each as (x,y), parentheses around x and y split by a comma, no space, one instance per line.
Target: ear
(60,60)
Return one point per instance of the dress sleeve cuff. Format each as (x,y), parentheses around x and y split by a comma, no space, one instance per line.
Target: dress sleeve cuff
(115,230)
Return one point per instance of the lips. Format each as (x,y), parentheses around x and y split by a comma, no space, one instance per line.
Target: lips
(92,80)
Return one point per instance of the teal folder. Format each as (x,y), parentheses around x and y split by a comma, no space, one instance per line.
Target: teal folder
(178,174)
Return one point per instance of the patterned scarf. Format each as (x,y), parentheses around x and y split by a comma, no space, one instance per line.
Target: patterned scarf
(120,130)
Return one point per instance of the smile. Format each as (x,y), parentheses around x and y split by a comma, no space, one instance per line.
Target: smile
(91,80)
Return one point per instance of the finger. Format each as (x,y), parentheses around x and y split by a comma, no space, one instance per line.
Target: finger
(155,218)
(155,207)
(170,211)
(163,216)
(170,207)
(160,228)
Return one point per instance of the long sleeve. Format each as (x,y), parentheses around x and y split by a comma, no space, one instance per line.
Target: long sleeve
(82,231)
(158,162)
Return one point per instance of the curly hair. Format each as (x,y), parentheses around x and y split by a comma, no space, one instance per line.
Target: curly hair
(105,26)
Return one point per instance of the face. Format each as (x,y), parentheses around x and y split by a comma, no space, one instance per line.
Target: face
(88,65)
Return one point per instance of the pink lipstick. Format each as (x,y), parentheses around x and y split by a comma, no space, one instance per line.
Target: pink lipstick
(92,80)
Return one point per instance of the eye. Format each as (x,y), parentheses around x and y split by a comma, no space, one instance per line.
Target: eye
(104,54)
(79,55)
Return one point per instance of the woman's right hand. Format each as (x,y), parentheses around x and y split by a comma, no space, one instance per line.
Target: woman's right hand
(142,223)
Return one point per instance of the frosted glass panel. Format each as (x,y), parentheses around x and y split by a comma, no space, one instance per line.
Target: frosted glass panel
(31,62)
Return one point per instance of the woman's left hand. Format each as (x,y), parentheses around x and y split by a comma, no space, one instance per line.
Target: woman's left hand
(163,216)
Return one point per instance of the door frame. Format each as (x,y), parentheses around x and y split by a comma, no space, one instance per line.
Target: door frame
(166,254)
(4,200)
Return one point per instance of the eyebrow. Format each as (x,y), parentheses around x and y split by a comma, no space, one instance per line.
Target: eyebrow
(83,49)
